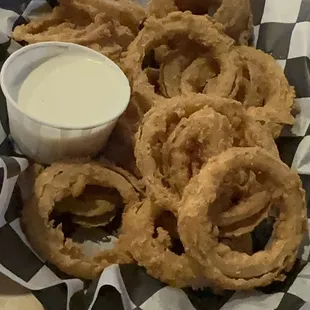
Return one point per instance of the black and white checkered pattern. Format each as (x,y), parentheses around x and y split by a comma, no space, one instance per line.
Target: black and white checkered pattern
(282,28)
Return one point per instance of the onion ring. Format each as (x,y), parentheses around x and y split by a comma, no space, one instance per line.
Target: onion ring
(263,89)
(54,184)
(137,184)
(170,131)
(157,32)
(87,24)
(228,269)
(153,252)
(242,207)
(235,15)
(128,12)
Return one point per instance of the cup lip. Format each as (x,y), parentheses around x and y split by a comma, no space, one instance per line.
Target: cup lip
(24,50)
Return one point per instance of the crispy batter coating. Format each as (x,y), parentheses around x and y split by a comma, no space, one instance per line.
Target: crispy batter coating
(176,139)
(105,26)
(152,251)
(261,86)
(264,90)
(235,15)
(229,269)
(136,183)
(192,159)
(209,64)
(158,32)
(54,184)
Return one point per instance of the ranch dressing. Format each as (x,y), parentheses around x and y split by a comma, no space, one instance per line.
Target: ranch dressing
(72,89)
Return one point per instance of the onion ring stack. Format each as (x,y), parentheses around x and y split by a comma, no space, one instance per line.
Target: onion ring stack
(199,232)
(61,181)
(235,15)
(178,137)
(209,259)
(198,133)
(150,85)
(189,61)
(208,207)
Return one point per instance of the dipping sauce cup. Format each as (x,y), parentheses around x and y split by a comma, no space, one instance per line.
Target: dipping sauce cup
(46,142)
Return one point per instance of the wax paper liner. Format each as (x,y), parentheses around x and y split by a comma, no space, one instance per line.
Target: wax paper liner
(282,28)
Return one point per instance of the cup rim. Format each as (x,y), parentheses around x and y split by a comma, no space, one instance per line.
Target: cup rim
(24,50)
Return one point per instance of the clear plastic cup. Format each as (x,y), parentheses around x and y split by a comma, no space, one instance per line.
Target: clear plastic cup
(43,142)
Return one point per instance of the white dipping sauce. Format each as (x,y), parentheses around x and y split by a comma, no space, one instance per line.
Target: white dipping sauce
(72,90)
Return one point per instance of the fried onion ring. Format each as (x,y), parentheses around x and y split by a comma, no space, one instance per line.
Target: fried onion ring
(152,251)
(105,26)
(211,76)
(263,89)
(229,269)
(242,207)
(54,184)
(158,32)
(235,15)
(179,136)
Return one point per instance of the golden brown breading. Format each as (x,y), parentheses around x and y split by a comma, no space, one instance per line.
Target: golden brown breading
(105,26)
(179,136)
(199,234)
(235,15)
(54,184)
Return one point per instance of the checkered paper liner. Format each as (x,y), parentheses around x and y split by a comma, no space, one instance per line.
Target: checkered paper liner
(282,29)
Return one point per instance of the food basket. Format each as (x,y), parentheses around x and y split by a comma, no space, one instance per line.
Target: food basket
(282,29)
